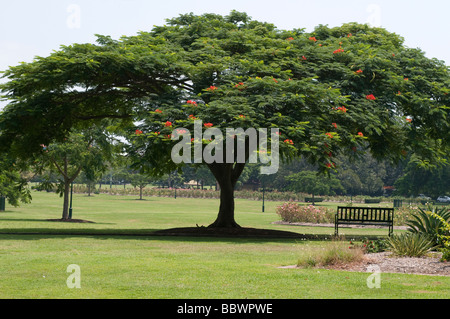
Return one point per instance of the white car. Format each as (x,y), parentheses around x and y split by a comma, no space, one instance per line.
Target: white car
(443,199)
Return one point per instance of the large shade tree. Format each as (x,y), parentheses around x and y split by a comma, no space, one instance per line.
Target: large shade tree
(343,90)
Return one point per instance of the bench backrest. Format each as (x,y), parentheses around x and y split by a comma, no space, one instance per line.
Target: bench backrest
(372,214)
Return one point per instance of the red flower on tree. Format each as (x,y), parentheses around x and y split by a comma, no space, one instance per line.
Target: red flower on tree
(313,39)
(168,124)
(334,124)
(240,86)
(338,51)
(360,134)
(287,141)
(138,132)
(359,71)
(208,124)
(329,135)
(342,109)
(191,102)
(211,88)
(371,97)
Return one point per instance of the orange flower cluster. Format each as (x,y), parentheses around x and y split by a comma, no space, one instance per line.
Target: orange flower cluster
(191,102)
(342,108)
(371,97)
(208,124)
(138,132)
(287,141)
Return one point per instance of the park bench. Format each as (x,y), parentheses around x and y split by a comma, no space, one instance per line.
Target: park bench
(378,216)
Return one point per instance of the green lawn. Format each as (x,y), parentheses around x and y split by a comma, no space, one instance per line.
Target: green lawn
(34,265)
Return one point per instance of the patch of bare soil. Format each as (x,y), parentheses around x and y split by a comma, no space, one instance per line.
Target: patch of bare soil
(386,262)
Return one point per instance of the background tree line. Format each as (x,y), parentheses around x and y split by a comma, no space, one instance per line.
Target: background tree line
(365,176)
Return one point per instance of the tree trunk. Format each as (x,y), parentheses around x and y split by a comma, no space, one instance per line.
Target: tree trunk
(65,213)
(226,176)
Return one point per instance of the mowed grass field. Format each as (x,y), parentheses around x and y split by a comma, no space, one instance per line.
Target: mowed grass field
(119,258)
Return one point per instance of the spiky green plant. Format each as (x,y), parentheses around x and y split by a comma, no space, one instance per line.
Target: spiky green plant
(429,224)
(444,237)
(410,244)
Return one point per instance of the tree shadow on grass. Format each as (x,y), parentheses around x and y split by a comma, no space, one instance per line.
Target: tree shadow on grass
(185,234)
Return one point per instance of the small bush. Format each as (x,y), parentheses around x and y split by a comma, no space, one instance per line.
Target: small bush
(294,213)
(372,200)
(370,246)
(410,244)
(334,254)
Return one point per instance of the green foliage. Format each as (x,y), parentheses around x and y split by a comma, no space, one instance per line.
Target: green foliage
(410,244)
(12,185)
(292,80)
(423,222)
(417,179)
(312,183)
(444,236)
(370,246)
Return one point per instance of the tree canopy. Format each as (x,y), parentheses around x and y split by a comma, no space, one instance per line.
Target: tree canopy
(345,90)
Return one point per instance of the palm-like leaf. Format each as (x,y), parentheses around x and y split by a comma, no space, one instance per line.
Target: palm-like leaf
(424,223)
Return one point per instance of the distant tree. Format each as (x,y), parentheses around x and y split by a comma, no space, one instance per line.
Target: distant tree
(312,183)
(86,150)
(140,181)
(416,180)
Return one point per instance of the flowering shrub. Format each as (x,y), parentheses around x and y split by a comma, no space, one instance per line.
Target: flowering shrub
(369,246)
(294,213)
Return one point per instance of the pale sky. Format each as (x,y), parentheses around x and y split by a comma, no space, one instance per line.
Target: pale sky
(34,28)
